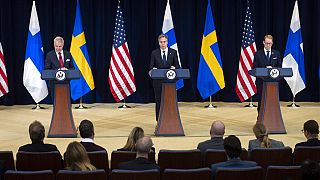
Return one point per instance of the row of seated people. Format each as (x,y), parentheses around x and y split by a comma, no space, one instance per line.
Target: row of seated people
(76,159)
(309,171)
(36,131)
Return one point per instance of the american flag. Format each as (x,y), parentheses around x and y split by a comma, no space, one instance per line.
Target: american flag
(3,75)
(121,76)
(246,87)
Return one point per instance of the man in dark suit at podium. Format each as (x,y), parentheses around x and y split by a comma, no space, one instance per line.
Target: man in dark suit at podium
(58,59)
(162,58)
(265,58)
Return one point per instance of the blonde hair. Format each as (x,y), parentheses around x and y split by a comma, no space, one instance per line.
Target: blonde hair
(135,134)
(76,158)
(261,133)
(268,36)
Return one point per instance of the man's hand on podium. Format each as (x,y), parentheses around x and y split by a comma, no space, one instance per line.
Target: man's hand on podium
(151,71)
(63,68)
(172,67)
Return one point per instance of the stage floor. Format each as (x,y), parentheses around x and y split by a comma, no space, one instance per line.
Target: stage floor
(112,125)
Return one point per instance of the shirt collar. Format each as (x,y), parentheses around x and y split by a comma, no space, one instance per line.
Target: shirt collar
(87,140)
(166,50)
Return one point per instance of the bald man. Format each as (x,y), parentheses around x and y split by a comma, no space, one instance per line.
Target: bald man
(143,147)
(216,142)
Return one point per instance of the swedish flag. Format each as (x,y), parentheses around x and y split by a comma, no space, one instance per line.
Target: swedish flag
(81,60)
(210,73)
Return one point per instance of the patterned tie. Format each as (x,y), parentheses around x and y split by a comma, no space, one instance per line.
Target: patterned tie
(164,58)
(60,60)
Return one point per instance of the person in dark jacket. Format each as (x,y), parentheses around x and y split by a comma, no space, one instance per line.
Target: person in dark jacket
(143,147)
(311,132)
(37,133)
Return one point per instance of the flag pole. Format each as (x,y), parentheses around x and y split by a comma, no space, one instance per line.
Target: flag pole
(250,104)
(124,105)
(210,105)
(38,107)
(81,106)
(293,104)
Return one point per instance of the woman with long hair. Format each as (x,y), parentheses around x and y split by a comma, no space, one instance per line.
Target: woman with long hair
(135,134)
(262,140)
(76,158)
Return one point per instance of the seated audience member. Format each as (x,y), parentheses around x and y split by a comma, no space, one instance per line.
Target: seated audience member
(262,140)
(135,134)
(216,142)
(311,131)
(76,158)
(232,146)
(87,134)
(143,147)
(37,133)
(310,170)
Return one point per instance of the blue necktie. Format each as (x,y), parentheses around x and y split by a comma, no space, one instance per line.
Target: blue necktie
(268,55)
(164,58)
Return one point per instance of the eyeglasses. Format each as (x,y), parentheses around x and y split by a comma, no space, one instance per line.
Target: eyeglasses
(302,130)
(268,43)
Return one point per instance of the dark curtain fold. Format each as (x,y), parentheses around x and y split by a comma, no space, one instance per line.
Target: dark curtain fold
(143,21)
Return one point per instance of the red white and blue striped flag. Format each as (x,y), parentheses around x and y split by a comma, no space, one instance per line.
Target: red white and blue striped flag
(121,75)
(3,75)
(246,87)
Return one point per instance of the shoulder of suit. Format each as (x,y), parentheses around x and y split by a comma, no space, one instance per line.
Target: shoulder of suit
(172,50)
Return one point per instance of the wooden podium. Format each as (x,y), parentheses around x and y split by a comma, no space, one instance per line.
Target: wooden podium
(62,124)
(270,112)
(169,122)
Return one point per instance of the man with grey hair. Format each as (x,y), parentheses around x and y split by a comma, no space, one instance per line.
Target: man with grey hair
(143,147)
(216,142)
(58,59)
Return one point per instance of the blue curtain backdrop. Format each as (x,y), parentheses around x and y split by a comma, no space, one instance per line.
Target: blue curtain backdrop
(143,20)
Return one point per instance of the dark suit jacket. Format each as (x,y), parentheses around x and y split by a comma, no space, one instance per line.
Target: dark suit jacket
(260,60)
(52,61)
(90,147)
(213,143)
(232,163)
(157,62)
(138,164)
(310,142)
(38,147)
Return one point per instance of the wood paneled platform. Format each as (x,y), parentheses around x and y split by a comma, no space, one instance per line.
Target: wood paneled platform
(112,125)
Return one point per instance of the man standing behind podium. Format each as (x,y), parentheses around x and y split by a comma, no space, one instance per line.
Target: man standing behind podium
(162,58)
(265,58)
(58,59)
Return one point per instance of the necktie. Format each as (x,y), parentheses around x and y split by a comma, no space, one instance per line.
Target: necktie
(164,58)
(268,55)
(60,60)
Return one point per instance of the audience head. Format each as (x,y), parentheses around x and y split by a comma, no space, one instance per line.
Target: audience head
(135,134)
(143,146)
(311,129)
(261,133)
(86,129)
(232,146)
(36,132)
(217,129)
(310,170)
(76,158)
